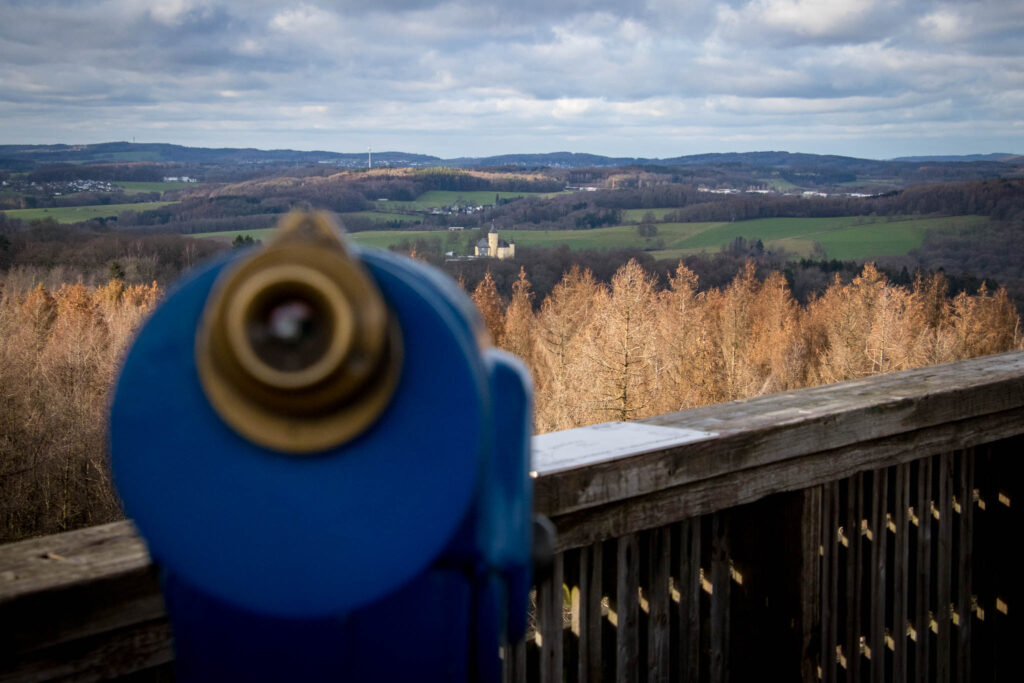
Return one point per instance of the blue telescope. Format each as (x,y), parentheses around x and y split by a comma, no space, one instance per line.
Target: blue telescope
(330,466)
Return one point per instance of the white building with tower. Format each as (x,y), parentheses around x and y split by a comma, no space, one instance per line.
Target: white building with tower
(494,247)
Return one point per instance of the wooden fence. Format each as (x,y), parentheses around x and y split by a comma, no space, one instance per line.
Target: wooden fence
(856,531)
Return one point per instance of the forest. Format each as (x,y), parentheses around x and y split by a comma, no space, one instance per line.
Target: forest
(608,334)
(598,351)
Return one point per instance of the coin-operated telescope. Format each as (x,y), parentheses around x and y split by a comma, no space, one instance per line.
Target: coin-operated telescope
(330,467)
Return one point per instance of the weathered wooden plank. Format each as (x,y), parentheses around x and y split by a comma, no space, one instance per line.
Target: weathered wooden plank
(591,577)
(721,612)
(729,490)
(879,564)
(69,586)
(98,657)
(549,622)
(944,568)
(901,572)
(658,635)
(965,494)
(627,660)
(922,601)
(780,427)
(810,583)
(689,585)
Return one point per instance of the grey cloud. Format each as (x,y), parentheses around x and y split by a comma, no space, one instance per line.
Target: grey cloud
(607,74)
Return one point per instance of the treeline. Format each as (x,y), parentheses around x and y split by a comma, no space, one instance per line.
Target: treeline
(806,278)
(29,201)
(626,350)
(48,251)
(994,250)
(128,171)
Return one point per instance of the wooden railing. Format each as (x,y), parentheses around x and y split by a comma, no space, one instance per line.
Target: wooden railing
(856,531)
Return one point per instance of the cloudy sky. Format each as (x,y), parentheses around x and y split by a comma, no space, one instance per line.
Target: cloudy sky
(871,78)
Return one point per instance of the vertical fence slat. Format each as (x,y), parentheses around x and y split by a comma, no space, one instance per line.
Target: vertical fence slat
(658,636)
(628,608)
(591,621)
(810,583)
(965,493)
(901,572)
(721,579)
(688,583)
(830,580)
(944,567)
(549,618)
(922,599)
(989,542)
(514,668)
(854,569)
(827,541)
(877,592)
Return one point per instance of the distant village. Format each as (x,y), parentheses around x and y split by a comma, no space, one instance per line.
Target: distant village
(58,188)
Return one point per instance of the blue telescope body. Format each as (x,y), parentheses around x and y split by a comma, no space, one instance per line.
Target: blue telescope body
(380,533)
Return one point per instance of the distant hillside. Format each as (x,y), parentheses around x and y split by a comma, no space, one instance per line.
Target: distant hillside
(962,157)
(779,170)
(115,152)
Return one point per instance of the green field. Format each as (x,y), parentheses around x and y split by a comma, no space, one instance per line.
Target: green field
(74,214)
(381,216)
(846,238)
(131,187)
(637,215)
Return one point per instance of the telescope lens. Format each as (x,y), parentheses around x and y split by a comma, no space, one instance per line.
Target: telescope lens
(290,329)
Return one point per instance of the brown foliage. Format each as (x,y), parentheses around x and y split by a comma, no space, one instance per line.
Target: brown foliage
(58,355)
(628,351)
(492,308)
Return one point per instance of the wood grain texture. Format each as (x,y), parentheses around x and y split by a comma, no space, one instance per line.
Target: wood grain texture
(627,661)
(689,586)
(901,572)
(591,620)
(721,585)
(549,623)
(810,583)
(658,628)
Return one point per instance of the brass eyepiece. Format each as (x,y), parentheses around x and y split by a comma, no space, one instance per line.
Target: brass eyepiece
(297,350)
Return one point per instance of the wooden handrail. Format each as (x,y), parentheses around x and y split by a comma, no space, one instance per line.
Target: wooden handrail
(86,602)
(780,442)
